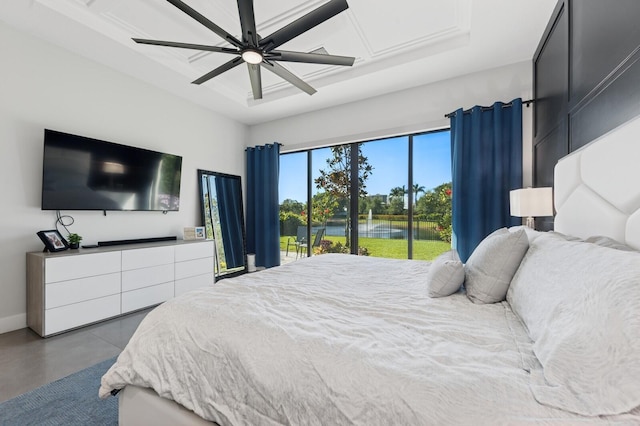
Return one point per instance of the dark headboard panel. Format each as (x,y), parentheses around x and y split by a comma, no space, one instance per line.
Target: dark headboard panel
(586,79)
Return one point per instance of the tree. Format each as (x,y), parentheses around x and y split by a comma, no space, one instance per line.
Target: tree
(373,203)
(395,205)
(396,200)
(436,206)
(292,206)
(336,179)
(416,190)
(323,206)
(398,192)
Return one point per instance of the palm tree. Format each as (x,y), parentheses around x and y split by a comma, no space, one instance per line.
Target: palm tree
(398,192)
(416,190)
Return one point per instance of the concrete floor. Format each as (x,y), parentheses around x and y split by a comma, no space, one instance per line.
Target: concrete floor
(291,257)
(27,361)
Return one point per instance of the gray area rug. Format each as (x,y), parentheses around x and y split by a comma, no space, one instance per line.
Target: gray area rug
(72,400)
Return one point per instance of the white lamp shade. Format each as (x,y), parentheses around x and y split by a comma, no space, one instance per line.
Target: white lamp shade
(531,202)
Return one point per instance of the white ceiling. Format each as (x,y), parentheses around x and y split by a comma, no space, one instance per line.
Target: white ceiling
(397,44)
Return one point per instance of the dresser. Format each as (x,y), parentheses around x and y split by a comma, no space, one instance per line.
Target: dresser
(74,288)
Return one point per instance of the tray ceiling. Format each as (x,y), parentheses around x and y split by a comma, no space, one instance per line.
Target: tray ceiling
(397,45)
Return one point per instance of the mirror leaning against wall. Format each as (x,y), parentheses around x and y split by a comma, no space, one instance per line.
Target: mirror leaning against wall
(223,218)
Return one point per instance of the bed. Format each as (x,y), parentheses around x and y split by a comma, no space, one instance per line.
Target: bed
(338,339)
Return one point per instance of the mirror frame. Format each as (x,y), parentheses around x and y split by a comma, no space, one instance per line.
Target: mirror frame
(218,275)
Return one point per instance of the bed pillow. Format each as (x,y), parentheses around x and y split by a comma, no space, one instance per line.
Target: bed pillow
(446,275)
(491,266)
(532,234)
(581,305)
(546,278)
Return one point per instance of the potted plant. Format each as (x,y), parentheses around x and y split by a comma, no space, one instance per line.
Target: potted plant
(74,240)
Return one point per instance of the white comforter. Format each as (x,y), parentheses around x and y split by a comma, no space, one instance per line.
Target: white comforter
(338,340)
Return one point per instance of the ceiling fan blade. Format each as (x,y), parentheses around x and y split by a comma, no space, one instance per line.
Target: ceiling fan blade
(303,24)
(313,58)
(284,73)
(248,22)
(256,80)
(187,45)
(206,22)
(222,68)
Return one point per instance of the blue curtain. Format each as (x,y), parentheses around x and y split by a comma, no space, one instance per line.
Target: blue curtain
(263,220)
(229,195)
(486,161)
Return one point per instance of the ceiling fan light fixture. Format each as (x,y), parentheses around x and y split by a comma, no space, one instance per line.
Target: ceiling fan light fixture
(252,56)
(255,50)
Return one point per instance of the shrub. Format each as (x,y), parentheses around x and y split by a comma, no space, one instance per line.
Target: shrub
(327,246)
(289,223)
(363,251)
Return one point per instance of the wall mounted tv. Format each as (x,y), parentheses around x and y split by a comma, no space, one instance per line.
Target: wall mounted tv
(81,173)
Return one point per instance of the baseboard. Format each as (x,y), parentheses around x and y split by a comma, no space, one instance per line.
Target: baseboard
(14,322)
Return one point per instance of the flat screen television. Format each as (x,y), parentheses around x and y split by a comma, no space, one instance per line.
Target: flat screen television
(81,173)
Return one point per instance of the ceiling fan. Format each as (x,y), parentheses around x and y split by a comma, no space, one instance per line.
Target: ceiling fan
(259,51)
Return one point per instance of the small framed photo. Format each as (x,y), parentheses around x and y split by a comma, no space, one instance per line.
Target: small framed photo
(53,241)
(189,233)
(200,233)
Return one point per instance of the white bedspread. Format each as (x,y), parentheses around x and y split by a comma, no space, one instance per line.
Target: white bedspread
(338,340)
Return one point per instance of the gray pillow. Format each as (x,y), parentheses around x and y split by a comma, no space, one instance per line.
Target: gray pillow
(446,275)
(491,266)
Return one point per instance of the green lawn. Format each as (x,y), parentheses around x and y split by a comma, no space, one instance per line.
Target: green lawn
(394,249)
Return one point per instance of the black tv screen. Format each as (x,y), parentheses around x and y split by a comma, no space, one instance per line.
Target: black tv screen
(81,173)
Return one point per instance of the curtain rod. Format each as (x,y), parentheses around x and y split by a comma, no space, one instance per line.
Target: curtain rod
(267,145)
(468,111)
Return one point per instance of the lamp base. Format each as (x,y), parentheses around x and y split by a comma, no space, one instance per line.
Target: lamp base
(530,223)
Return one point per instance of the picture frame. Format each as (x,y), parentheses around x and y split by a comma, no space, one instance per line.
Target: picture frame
(189,233)
(53,241)
(200,233)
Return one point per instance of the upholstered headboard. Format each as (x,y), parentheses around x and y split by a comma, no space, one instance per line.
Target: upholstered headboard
(597,188)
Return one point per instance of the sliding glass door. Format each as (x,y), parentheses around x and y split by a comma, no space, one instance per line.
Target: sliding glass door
(293,205)
(331,199)
(431,189)
(383,221)
(385,198)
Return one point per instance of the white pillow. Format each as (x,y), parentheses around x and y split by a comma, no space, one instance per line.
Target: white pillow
(446,275)
(491,266)
(536,288)
(581,305)
(532,234)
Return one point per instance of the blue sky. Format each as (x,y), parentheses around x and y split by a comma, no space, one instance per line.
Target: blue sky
(389,158)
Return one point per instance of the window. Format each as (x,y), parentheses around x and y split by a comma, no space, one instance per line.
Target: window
(383,212)
(292,190)
(431,194)
(403,206)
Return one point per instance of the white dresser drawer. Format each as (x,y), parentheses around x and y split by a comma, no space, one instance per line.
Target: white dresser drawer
(145,277)
(148,296)
(74,291)
(84,265)
(191,268)
(77,314)
(191,283)
(145,257)
(190,251)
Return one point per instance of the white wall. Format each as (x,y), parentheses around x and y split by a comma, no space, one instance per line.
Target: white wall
(43,86)
(408,111)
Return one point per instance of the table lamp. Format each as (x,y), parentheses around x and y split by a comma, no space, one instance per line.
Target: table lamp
(531,202)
